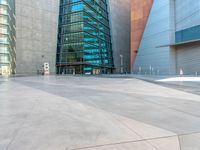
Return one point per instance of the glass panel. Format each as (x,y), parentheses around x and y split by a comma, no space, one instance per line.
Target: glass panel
(84,42)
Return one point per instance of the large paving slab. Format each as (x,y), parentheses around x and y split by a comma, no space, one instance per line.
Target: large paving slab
(190,142)
(92,113)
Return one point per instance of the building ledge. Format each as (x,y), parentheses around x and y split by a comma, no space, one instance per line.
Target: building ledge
(179,44)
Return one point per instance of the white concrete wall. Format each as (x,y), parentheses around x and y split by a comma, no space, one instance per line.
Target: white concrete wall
(36,32)
(120,12)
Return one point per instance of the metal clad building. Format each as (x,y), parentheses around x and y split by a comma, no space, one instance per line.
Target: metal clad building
(170,42)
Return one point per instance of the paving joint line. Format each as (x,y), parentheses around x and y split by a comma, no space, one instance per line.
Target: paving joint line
(180,146)
(128,142)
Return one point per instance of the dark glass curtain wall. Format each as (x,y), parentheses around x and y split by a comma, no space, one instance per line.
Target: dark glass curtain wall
(84,42)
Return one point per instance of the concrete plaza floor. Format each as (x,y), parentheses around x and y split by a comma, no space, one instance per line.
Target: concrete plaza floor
(92,113)
(189,84)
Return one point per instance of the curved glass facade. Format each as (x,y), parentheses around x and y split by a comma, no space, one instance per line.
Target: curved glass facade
(84,42)
(7,37)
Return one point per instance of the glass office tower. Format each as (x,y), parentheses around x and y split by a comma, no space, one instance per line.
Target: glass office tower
(7,37)
(84,42)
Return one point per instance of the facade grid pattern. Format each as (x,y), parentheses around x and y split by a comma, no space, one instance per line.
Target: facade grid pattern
(7,37)
(84,41)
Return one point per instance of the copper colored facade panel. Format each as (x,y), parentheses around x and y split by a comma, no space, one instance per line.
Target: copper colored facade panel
(140,10)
